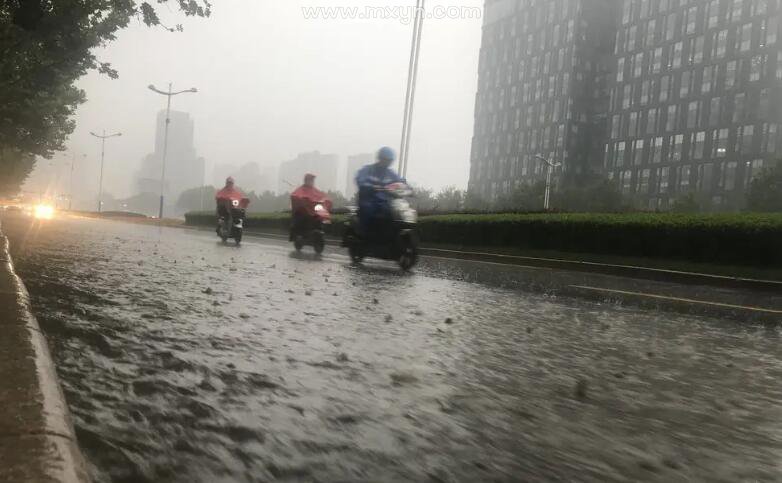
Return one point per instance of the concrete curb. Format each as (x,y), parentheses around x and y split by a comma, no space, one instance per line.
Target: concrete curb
(37,440)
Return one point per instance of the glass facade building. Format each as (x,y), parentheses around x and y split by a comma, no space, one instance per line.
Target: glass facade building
(666,97)
(695,99)
(542,90)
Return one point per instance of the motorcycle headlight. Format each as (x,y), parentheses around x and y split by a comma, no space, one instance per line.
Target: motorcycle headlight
(319,207)
(235,203)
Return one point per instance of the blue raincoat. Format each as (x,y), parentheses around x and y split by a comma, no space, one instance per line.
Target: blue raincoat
(372,203)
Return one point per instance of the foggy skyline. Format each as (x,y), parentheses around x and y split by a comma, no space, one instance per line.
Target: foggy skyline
(273,84)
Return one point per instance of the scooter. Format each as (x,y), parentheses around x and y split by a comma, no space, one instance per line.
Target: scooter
(308,220)
(395,239)
(230,222)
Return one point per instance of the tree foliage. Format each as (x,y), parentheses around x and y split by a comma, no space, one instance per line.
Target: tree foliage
(45,46)
(765,192)
(590,195)
(14,169)
(192,199)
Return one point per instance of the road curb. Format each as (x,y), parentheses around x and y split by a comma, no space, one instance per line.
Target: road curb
(37,439)
(630,271)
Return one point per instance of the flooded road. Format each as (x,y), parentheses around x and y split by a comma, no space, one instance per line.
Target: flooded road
(184,360)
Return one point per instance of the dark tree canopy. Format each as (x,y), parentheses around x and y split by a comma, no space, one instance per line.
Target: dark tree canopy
(45,46)
(765,192)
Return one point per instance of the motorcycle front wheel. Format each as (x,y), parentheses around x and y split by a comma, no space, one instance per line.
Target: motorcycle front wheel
(238,236)
(298,243)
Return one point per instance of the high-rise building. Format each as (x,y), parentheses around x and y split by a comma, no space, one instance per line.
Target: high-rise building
(355,163)
(695,99)
(681,96)
(184,169)
(542,90)
(323,166)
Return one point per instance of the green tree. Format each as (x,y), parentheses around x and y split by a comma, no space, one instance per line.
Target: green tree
(526,197)
(15,166)
(686,203)
(475,202)
(765,192)
(269,202)
(591,194)
(423,199)
(45,46)
(338,200)
(450,199)
(191,200)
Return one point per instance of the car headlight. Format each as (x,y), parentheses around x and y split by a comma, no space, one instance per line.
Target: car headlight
(44,212)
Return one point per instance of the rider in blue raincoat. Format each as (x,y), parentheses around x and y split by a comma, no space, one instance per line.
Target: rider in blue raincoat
(373,201)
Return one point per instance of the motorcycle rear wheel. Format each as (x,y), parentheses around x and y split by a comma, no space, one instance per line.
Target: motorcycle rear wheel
(319,243)
(409,256)
(356,254)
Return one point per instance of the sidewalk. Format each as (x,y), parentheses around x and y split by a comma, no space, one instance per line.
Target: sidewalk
(37,441)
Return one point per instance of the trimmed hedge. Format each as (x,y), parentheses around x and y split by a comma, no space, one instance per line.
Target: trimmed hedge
(262,221)
(730,238)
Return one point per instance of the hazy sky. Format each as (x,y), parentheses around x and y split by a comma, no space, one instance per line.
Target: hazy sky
(272,84)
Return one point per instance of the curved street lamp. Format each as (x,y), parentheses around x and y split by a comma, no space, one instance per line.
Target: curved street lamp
(169,95)
(103,139)
(551,165)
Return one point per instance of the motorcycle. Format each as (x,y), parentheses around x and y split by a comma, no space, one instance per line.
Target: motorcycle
(395,239)
(308,219)
(230,222)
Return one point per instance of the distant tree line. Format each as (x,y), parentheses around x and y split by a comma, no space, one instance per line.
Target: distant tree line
(45,46)
(591,194)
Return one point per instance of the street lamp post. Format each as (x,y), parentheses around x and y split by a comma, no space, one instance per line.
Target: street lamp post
(169,95)
(412,75)
(102,138)
(551,165)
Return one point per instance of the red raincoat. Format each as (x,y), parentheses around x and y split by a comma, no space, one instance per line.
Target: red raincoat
(229,194)
(304,198)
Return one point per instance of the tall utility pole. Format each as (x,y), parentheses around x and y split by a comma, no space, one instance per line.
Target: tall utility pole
(551,165)
(102,138)
(412,76)
(70,182)
(169,95)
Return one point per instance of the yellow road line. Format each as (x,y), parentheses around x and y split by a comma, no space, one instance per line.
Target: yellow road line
(679,299)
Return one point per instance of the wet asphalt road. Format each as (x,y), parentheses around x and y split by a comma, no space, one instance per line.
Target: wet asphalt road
(184,360)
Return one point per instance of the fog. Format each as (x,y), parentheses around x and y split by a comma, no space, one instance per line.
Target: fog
(273,84)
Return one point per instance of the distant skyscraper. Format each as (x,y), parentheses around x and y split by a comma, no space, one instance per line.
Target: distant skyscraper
(323,166)
(355,163)
(184,169)
(541,90)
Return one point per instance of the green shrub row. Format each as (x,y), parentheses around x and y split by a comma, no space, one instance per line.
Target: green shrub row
(740,238)
(263,221)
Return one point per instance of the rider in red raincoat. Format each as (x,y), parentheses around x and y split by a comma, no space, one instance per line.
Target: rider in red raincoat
(225,196)
(303,202)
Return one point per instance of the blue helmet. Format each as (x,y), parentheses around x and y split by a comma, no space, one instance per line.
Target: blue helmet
(386,154)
